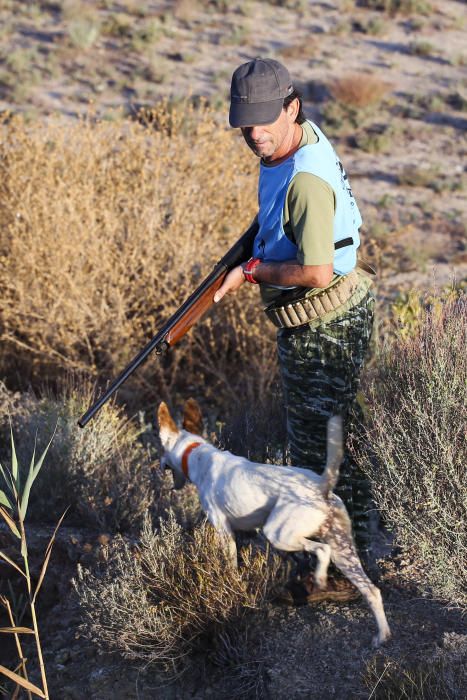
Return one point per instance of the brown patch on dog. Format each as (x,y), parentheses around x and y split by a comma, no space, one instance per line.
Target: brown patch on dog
(166,422)
(192,418)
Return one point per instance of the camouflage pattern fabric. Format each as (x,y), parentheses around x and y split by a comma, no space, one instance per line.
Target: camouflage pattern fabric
(320,367)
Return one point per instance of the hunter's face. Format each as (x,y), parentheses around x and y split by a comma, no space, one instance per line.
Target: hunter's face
(267,139)
(270,141)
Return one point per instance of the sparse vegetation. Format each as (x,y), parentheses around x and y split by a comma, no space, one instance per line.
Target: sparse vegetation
(83,33)
(172,595)
(306,49)
(103,473)
(404,7)
(355,99)
(438,678)
(15,493)
(359,90)
(417,458)
(373,26)
(422,48)
(431,177)
(376,139)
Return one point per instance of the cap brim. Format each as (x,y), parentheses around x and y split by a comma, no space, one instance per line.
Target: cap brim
(256,114)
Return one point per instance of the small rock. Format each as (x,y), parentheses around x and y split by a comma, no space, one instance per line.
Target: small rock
(62,656)
(104,538)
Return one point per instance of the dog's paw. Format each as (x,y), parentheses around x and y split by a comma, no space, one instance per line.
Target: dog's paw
(320,582)
(381,638)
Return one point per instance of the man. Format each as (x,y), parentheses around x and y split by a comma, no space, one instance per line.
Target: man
(304,260)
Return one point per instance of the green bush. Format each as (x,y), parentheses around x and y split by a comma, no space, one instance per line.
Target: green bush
(417,437)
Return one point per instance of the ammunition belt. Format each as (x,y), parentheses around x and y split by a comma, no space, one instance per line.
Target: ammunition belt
(311,307)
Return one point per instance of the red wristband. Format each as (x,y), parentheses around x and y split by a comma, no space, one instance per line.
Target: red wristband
(249,268)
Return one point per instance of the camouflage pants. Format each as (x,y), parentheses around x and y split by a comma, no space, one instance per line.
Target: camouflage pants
(320,368)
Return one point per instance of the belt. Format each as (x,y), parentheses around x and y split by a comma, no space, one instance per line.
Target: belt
(309,308)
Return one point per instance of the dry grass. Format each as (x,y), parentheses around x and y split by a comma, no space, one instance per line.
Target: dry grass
(404,7)
(440,678)
(105,229)
(102,473)
(16,483)
(164,599)
(359,90)
(417,459)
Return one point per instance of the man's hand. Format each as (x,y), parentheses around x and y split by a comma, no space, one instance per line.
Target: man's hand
(232,282)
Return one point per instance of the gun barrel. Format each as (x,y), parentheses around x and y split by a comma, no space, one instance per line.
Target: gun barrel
(122,377)
(156,344)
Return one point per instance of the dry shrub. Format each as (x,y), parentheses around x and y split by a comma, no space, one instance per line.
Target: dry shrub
(164,599)
(417,437)
(105,228)
(182,504)
(442,677)
(359,90)
(102,472)
(405,7)
(257,430)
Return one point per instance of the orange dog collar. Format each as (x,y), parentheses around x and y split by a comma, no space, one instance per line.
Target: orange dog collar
(186,454)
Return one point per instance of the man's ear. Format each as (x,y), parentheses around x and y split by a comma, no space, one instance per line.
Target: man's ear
(192,418)
(167,427)
(293,108)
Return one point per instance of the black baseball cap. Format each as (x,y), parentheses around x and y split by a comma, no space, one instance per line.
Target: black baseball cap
(257,92)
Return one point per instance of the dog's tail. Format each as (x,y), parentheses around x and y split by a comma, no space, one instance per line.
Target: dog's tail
(335,453)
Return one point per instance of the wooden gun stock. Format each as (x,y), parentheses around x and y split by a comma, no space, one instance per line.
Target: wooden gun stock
(194,313)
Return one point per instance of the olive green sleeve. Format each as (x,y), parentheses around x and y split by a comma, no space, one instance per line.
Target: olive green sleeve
(309,217)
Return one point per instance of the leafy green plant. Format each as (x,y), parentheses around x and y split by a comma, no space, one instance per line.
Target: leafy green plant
(14,501)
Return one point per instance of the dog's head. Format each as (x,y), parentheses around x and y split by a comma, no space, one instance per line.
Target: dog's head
(174,441)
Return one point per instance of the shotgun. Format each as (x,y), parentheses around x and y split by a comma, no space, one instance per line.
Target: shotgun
(185,317)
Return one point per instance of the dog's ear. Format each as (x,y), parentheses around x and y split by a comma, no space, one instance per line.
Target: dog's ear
(192,418)
(167,426)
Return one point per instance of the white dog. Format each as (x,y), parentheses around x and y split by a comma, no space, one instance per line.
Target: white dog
(289,504)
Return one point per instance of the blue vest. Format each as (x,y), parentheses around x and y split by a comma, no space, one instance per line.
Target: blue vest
(271,243)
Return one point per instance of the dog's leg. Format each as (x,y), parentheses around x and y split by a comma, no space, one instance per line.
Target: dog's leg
(323,556)
(225,532)
(231,548)
(345,557)
(285,530)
